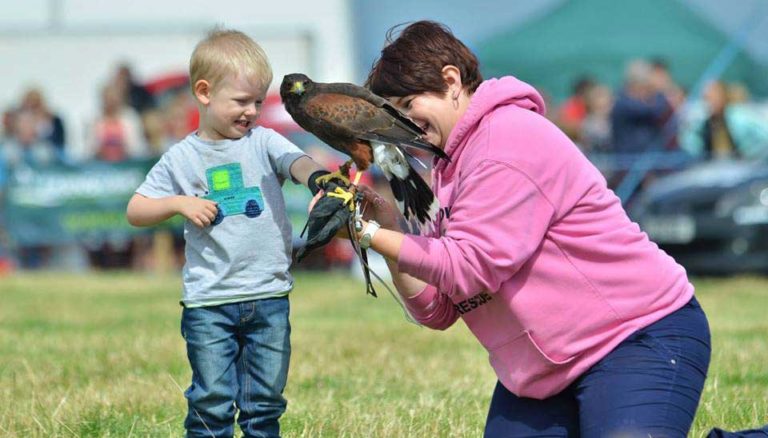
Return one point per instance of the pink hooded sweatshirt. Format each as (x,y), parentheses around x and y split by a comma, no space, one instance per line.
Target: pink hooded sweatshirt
(532,249)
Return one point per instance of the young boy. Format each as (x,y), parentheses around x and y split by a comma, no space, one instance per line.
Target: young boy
(225,179)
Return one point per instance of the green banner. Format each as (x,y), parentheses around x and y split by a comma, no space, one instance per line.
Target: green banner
(63,204)
(86,203)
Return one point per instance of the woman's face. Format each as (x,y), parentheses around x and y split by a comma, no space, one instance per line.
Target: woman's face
(435,113)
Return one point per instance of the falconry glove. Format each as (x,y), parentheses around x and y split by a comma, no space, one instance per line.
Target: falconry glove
(331,212)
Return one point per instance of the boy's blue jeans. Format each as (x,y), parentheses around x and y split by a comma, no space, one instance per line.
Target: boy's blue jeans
(239,355)
(649,385)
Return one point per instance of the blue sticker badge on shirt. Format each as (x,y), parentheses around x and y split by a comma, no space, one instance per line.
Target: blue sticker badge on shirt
(226,188)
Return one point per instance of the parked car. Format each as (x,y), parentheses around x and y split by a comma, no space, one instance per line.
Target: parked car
(712,217)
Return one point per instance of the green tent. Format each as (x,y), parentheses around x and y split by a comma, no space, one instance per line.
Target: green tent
(599,37)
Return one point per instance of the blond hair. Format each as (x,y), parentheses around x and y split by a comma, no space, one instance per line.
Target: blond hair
(223,52)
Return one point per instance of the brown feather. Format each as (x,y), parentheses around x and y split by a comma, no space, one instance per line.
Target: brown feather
(356,115)
(362,154)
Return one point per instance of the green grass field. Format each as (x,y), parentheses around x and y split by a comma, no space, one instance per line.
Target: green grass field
(101,356)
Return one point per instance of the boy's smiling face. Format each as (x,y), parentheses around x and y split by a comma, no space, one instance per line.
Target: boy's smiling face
(229,108)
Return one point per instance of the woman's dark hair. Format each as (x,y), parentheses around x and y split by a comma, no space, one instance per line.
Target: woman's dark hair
(413,63)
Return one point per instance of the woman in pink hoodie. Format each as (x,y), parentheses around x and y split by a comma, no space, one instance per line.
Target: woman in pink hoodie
(590,328)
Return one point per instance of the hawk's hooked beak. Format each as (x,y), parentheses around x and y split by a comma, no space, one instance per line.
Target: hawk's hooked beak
(297,87)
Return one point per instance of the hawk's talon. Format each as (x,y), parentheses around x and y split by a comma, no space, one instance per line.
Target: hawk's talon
(344,195)
(342,175)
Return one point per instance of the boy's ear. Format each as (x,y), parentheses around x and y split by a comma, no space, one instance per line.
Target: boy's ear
(202,91)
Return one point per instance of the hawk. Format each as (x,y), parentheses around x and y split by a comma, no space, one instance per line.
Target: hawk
(369,129)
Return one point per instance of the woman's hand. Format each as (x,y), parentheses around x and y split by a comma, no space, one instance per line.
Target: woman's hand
(377,208)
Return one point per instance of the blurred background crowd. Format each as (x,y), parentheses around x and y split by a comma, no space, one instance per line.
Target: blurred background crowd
(672,110)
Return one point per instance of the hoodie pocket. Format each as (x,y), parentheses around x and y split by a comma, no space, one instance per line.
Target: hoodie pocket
(526,370)
(524,342)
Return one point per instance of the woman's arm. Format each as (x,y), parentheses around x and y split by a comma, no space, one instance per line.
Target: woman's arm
(387,242)
(423,301)
(498,219)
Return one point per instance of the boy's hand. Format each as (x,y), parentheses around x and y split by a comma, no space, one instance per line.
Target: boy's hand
(199,211)
(314,200)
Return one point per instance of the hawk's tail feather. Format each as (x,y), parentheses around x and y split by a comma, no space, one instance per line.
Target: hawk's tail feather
(415,199)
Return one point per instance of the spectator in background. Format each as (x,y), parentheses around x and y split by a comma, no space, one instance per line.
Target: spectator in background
(116,135)
(141,100)
(153,122)
(133,94)
(26,149)
(596,127)
(663,82)
(640,116)
(169,123)
(573,111)
(738,93)
(48,125)
(7,124)
(729,130)
(178,119)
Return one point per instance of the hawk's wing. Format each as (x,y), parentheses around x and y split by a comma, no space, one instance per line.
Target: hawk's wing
(400,119)
(355,112)
(347,114)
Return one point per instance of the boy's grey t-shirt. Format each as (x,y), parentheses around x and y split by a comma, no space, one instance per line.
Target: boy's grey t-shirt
(248,254)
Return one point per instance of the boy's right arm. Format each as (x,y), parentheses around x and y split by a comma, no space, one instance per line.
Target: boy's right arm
(144,212)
